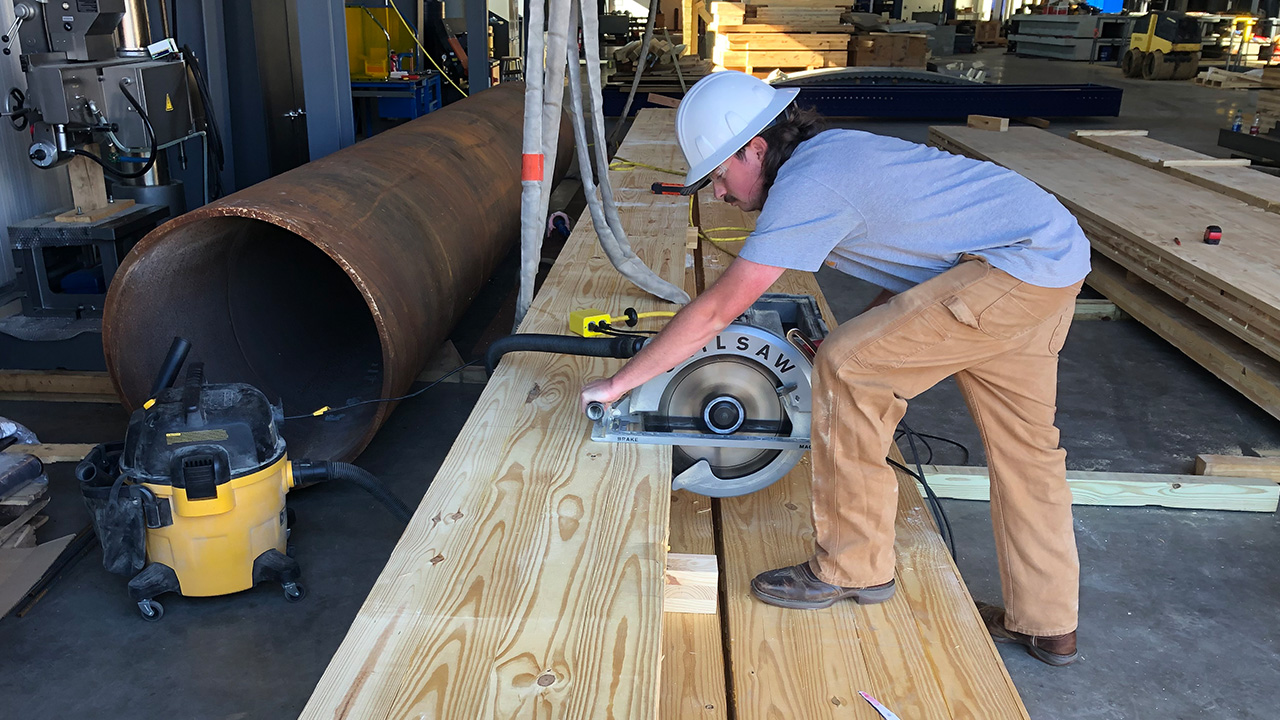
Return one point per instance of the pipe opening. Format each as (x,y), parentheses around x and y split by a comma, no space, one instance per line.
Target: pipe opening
(263,306)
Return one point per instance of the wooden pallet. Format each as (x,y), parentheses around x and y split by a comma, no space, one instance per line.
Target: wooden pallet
(1228,176)
(1226,80)
(1133,215)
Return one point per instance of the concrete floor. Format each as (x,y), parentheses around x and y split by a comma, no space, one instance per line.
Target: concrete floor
(1178,608)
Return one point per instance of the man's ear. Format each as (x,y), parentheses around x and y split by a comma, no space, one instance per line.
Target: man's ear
(757,148)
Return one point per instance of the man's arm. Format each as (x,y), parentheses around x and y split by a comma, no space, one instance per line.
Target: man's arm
(692,328)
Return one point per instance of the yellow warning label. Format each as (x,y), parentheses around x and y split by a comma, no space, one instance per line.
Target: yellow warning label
(168,103)
(194,436)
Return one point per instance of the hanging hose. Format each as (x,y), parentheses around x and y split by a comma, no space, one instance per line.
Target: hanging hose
(306,472)
(613,347)
(539,134)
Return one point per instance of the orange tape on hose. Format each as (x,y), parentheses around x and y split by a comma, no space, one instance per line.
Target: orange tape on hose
(531,167)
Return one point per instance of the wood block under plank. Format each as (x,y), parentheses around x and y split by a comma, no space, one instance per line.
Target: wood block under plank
(1238,466)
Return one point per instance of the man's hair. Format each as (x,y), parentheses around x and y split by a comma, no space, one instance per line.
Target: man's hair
(794,127)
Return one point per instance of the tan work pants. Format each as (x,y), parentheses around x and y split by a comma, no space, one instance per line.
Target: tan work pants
(1000,337)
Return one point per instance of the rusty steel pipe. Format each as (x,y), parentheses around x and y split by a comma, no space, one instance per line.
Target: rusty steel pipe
(334,282)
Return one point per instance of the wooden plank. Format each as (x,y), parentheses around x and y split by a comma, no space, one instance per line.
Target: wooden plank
(26,494)
(725,28)
(780,58)
(1207,162)
(693,681)
(14,525)
(692,584)
(1139,148)
(1239,467)
(90,216)
(1089,309)
(1107,133)
(1237,284)
(88,185)
(987,122)
(925,654)
(1233,361)
(57,381)
(663,100)
(1188,492)
(22,568)
(822,42)
(1218,174)
(530,580)
(53,452)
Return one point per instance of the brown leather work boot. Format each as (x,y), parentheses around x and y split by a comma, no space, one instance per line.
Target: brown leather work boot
(1056,650)
(797,588)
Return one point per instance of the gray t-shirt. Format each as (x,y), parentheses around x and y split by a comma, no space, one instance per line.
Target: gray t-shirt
(896,213)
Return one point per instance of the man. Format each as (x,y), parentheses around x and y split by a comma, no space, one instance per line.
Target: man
(980,269)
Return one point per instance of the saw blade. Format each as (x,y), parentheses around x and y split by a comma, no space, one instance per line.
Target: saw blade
(732,380)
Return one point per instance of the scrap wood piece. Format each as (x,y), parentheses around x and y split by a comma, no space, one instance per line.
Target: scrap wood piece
(49,453)
(95,386)
(988,122)
(1237,466)
(22,568)
(692,583)
(1190,492)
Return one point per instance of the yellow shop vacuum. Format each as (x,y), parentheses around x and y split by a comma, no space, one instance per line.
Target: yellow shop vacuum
(193,500)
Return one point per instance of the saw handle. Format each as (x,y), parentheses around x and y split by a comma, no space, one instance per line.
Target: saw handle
(595,410)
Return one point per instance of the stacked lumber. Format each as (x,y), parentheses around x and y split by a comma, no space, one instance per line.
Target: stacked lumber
(1229,176)
(879,49)
(24,492)
(986,33)
(780,35)
(1151,224)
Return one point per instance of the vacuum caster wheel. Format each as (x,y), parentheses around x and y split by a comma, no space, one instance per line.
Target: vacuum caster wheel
(294,592)
(290,550)
(151,610)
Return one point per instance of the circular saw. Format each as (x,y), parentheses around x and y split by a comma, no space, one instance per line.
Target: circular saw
(737,413)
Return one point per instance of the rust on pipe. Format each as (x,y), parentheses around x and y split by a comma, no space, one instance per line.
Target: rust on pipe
(334,282)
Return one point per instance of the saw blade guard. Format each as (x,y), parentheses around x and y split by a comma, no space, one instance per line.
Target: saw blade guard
(737,413)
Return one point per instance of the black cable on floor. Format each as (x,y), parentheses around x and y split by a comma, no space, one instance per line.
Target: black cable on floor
(939,515)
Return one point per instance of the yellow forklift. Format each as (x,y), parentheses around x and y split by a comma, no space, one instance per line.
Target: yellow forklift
(1165,45)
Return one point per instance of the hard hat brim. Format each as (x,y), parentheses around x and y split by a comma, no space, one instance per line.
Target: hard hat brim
(782,98)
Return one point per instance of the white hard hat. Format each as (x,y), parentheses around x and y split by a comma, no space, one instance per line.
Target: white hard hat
(721,113)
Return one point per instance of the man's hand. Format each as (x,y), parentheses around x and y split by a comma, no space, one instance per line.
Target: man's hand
(600,391)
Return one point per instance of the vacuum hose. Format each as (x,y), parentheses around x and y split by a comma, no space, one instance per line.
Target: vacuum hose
(306,472)
(611,347)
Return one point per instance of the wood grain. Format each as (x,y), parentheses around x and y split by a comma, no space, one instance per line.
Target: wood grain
(1188,492)
(1238,467)
(530,581)
(1218,174)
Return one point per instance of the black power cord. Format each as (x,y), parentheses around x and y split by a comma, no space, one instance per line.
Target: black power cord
(151,133)
(415,393)
(939,514)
